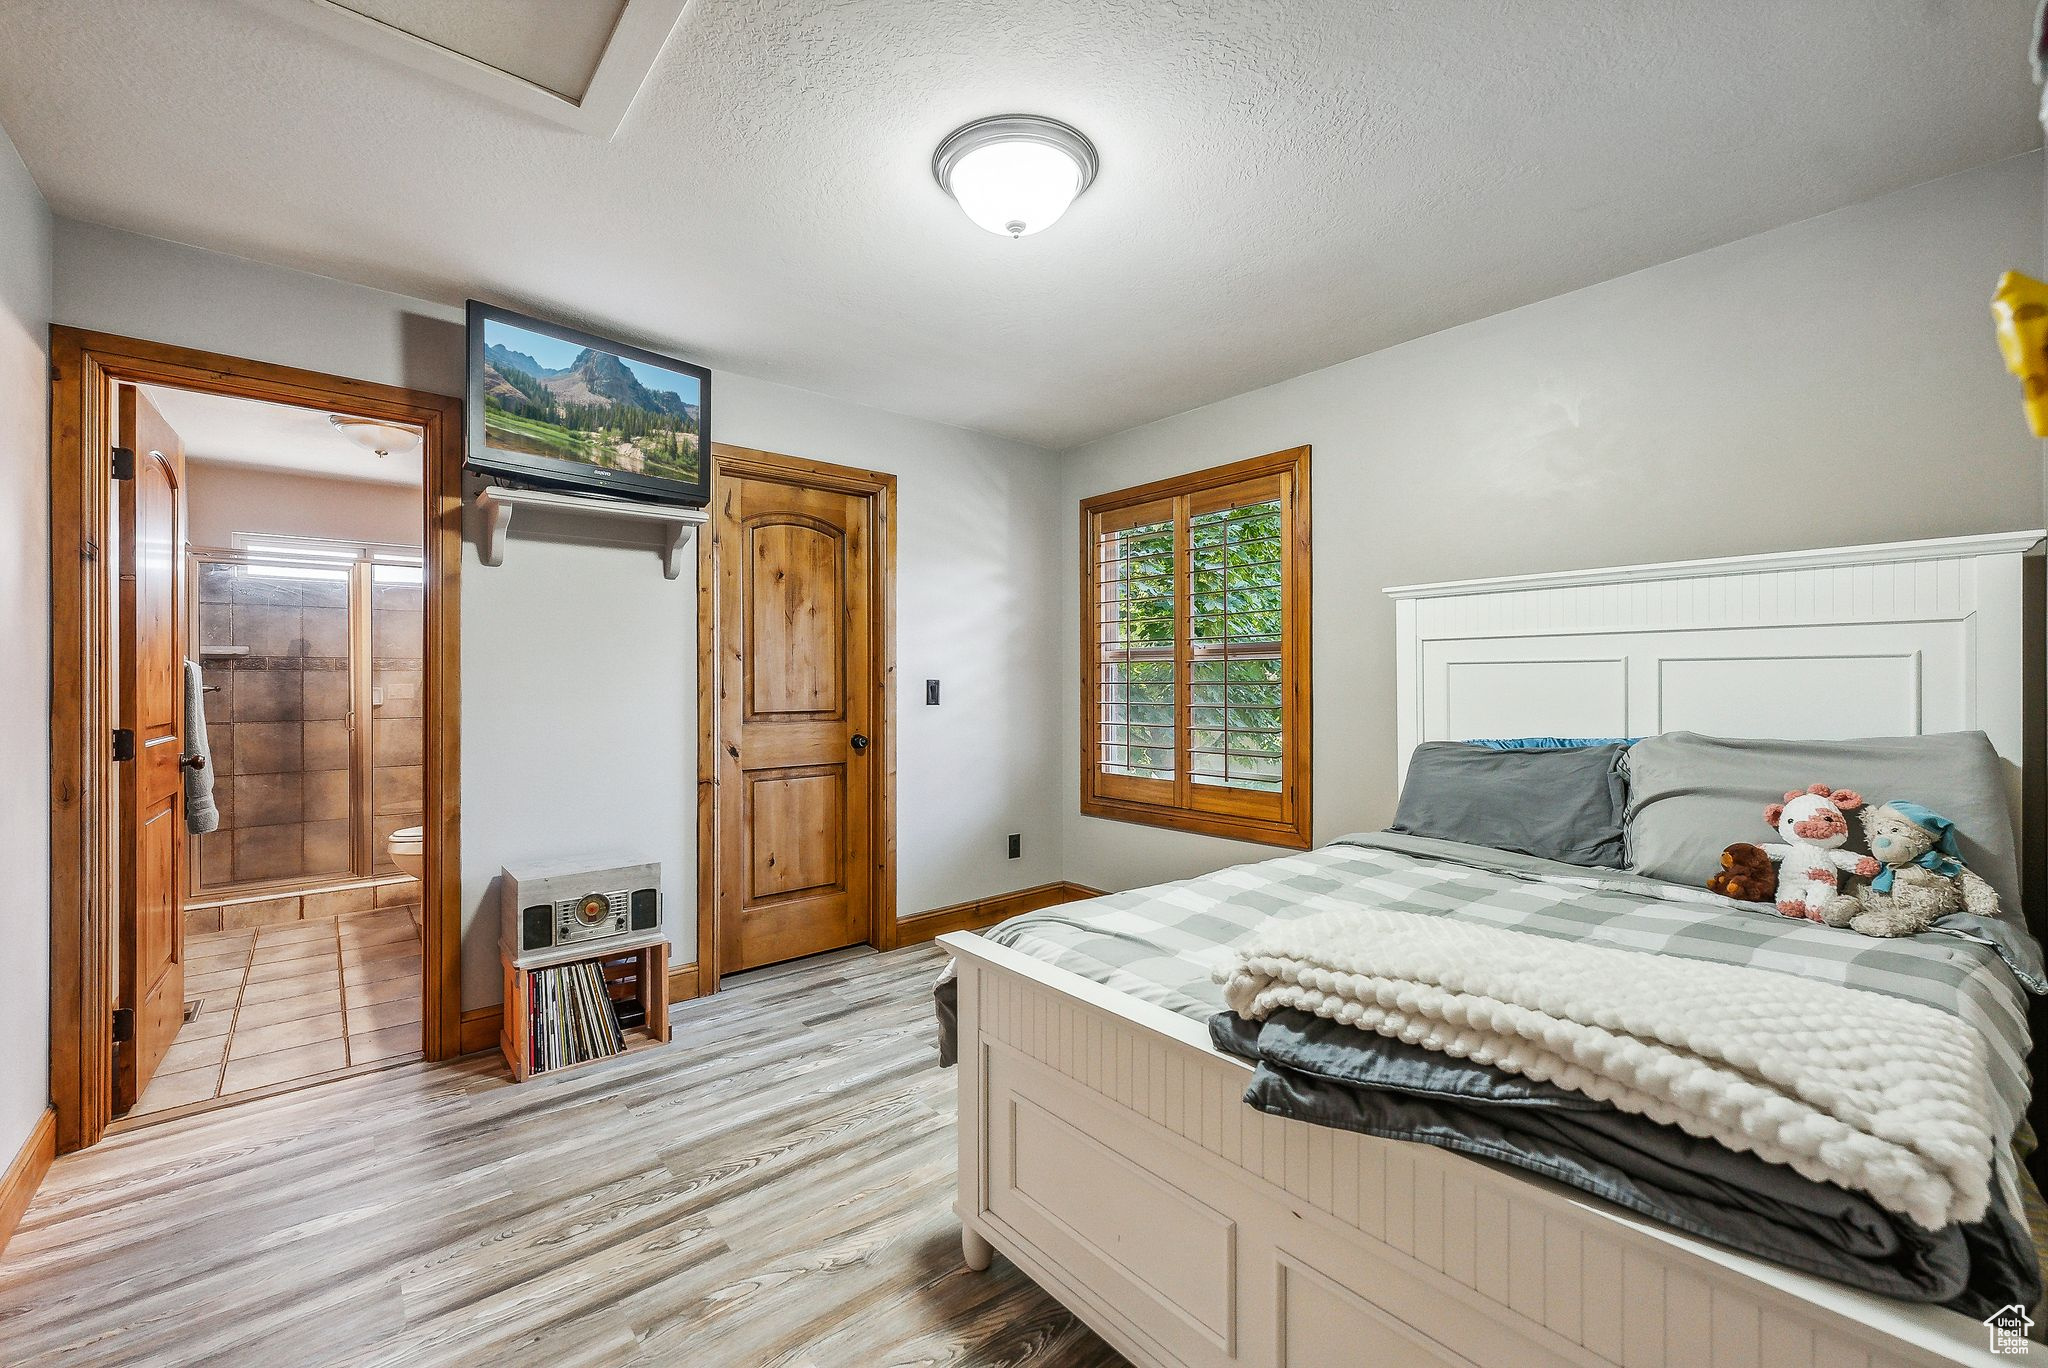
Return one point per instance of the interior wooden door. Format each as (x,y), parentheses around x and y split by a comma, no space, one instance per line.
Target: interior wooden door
(151,937)
(796,679)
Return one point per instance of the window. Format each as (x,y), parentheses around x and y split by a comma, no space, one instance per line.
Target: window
(321,558)
(1195,652)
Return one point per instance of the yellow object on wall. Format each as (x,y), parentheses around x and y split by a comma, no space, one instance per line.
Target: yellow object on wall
(2020,307)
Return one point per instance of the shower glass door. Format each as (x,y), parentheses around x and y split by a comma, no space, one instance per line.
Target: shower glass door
(284,645)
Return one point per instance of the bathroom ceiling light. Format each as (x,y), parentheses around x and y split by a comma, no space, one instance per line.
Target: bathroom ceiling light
(372,434)
(1015,174)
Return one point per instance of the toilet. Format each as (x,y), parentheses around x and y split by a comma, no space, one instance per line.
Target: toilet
(408,850)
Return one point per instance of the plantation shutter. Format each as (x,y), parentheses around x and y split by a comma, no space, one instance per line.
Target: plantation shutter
(1236,672)
(1195,690)
(1137,616)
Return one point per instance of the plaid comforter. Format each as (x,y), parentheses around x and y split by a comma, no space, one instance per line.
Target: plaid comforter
(1159,944)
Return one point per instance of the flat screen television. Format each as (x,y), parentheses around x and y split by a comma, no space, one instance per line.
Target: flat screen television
(552,406)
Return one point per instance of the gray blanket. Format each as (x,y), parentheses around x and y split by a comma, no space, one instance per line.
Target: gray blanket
(1332,1075)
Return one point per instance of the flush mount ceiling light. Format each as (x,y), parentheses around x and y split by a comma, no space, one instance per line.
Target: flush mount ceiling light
(1015,174)
(374,435)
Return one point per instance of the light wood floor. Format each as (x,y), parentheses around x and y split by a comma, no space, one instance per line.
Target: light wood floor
(773,1189)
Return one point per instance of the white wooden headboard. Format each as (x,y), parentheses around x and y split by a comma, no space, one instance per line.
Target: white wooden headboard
(1890,640)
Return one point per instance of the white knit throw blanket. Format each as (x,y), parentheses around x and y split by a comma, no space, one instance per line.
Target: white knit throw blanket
(1872,1093)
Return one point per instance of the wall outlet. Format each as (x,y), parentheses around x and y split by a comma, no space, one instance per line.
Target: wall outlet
(1016,846)
(931,693)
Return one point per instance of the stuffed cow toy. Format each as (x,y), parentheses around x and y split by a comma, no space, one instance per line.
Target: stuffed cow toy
(1811,861)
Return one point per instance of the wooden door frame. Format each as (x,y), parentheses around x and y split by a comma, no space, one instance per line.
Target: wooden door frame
(83,857)
(713,703)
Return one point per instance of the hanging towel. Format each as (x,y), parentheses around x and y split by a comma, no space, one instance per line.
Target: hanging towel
(201,816)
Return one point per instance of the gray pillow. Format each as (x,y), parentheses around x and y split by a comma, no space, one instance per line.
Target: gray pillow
(1558,804)
(1691,796)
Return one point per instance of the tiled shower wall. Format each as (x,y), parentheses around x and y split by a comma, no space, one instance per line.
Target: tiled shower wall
(397,648)
(276,721)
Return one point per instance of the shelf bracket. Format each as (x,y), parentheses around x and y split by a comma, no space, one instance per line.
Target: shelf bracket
(497,522)
(674,539)
(496,505)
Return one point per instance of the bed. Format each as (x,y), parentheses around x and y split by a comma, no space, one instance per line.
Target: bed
(1104,1143)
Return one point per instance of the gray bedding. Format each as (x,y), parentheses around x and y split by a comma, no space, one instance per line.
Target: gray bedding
(1331,1075)
(1564,803)
(1689,795)
(1159,944)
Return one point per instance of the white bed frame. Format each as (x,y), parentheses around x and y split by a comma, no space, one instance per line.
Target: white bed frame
(1104,1147)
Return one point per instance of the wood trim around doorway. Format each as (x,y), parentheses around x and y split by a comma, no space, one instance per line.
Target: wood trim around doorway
(83,870)
(712,823)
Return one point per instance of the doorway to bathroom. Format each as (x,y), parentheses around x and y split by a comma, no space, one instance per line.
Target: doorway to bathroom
(306,635)
(254,867)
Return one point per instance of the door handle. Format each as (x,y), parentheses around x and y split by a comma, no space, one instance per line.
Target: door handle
(859,744)
(192,762)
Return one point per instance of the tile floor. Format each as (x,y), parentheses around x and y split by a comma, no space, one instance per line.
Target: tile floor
(278,1004)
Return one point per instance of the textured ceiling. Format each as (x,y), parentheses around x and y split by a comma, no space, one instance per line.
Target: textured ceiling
(297,441)
(1283,186)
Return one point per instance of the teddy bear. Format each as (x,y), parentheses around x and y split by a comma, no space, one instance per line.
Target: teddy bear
(1923,878)
(1747,874)
(1811,862)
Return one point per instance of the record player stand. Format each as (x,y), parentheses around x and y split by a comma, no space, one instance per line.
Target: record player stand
(647,973)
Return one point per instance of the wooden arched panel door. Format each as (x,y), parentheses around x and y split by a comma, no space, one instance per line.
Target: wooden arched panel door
(797,765)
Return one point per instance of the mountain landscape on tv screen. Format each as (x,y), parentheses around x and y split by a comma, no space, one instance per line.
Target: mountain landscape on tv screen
(594,410)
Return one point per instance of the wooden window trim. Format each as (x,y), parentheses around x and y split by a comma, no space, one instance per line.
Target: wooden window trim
(1179,803)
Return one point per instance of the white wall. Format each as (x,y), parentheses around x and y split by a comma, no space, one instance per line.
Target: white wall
(1827,383)
(579,670)
(549,766)
(224,498)
(25,304)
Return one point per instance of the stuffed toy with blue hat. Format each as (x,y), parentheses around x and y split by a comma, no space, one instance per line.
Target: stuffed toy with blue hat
(1923,879)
